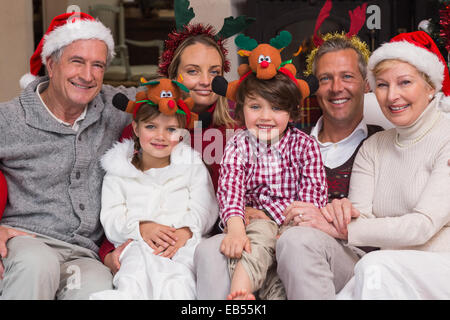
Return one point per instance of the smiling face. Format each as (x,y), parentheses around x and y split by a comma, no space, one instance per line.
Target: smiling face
(157,136)
(402,92)
(77,77)
(199,64)
(341,86)
(262,119)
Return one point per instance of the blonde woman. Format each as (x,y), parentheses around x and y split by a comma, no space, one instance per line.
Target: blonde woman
(401,179)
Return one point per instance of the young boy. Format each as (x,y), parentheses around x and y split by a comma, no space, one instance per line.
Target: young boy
(265,168)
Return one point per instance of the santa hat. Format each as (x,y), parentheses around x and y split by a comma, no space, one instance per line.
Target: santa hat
(63,30)
(418,49)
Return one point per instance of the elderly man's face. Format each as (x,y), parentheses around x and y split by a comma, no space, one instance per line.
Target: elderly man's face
(78,75)
(342,87)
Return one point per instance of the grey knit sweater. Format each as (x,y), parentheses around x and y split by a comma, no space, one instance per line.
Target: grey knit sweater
(53,173)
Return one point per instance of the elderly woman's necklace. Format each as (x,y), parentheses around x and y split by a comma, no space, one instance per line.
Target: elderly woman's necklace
(420,137)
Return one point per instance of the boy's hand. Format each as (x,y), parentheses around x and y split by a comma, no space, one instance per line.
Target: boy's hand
(183,235)
(157,235)
(236,239)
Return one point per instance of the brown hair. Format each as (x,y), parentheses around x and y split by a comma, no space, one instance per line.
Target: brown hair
(280,91)
(145,114)
(221,116)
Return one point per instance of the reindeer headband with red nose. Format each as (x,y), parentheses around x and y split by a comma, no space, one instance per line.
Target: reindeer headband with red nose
(265,61)
(163,94)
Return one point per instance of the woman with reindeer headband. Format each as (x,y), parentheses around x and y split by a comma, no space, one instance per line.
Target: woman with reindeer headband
(161,183)
(265,167)
(194,54)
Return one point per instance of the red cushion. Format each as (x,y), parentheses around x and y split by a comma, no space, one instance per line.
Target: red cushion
(3,193)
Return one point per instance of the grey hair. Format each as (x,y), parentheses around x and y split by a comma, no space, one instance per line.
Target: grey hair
(57,54)
(338,44)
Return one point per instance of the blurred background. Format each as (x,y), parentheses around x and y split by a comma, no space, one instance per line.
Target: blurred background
(141,26)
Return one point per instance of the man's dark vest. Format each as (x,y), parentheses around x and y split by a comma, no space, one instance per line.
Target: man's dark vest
(339,178)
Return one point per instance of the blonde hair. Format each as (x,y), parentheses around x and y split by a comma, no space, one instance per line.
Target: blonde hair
(221,116)
(389,63)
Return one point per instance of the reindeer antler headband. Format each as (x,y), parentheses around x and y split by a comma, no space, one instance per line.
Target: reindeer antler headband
(357,19)
(184,30)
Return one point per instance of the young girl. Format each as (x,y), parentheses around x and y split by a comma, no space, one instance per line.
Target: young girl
(265,167)
(157,189)
(198,57)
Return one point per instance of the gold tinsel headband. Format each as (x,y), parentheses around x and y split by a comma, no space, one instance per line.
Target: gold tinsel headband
(357,44)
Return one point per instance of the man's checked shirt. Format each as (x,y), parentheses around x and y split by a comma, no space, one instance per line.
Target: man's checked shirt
(270,177)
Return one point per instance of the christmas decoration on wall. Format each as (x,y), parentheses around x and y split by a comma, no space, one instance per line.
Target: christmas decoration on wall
(439,27)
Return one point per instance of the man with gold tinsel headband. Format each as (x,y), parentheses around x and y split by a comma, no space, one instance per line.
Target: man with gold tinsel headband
(312,263)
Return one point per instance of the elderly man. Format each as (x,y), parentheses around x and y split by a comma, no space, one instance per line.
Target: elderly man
(53,135)
(340,66)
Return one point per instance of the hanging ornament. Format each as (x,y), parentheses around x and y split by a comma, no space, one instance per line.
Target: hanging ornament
(425,25)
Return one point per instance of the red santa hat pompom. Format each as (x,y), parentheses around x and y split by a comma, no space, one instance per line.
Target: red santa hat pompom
(418,49)
(63,30)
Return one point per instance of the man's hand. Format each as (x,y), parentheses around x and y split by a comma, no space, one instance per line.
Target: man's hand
(112,258)
(308,215)
(252,213)
(297,208)
(183,235)
(6,234)
(157,235)
(313,220)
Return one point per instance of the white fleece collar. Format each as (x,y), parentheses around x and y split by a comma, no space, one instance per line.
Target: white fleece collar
(117,160)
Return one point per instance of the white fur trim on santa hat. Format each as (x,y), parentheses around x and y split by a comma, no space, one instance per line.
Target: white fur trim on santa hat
(26,79)
(444,103)
(73,31)
(424,60)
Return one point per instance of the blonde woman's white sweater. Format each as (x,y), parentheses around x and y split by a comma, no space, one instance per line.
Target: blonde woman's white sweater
(401,184)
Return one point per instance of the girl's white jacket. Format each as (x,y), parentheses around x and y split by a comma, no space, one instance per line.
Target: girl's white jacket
(179,195)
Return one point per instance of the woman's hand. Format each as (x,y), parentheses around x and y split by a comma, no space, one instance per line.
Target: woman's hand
(340,212)
(236,240)
(183,235)
(157,235)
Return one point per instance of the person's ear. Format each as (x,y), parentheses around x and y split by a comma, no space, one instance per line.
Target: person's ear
(50,63)
(366,86)
(431,93)
(135,125)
